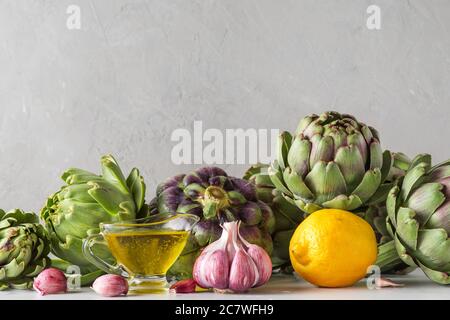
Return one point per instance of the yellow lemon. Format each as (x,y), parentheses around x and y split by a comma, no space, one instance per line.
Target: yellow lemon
(333,248)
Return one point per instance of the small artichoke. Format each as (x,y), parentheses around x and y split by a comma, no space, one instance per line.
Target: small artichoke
(332,161)
(419,218)
(216,198)
(24,247)
(287,216)
(86,200)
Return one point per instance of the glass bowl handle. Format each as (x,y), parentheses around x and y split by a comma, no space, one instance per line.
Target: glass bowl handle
(88,243)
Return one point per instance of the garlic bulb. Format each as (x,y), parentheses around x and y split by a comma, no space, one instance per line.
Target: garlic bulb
(232,263)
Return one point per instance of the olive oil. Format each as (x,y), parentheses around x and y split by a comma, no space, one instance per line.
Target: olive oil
(148,252)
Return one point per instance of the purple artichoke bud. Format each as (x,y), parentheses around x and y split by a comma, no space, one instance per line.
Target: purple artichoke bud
(170,182)
(236,198)
(250,213)
(266,241)
(218,181)
(194,191)
(246,188)
(228,215)
(192,178)
(190,207)
(268,218)
(206,232)
(252,234)
(207,172)
(169,199)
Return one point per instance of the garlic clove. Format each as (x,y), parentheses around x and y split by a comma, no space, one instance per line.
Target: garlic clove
(184,286)
(263,261)
(211,269)
(50,281)
(110,285)
(243,272)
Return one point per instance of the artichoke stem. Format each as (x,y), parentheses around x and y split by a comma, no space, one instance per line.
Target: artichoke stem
(388,258)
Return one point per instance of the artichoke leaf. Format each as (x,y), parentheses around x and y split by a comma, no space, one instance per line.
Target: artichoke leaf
(407,227)
(299,155)
(21,284)
(304,123)
(412,179)
(111,172)
(401,161)
(308,208)
(75,192)
(440,277)
(433,249)
(351,164)
(325,180)
(403,252)
(440,172)
(379,197)
(322,149)
(391,205)
(276,176)
(388,162)
(426,200)
(112,199)
(36,268)
(421,158)
(369,185)
(343,202)
(14,268)
(296,185)
(376,155)
(78,176)
(284,144)
(135,183)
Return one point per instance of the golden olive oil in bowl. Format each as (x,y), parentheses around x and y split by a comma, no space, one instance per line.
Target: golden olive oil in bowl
(146,252)
(144,249)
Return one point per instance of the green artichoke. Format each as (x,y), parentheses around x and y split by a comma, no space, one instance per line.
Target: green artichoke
(287,216)
(24,247)
(86,200)
(419,218)
(215,197)
(332,161)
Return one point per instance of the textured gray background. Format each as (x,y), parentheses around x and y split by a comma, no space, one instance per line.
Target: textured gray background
(137,70)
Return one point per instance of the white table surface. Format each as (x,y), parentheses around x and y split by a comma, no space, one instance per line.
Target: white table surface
(416,286)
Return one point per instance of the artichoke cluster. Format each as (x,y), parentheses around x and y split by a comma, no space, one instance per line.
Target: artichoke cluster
(24,247)
(215,197)
(87,199)
(331,161)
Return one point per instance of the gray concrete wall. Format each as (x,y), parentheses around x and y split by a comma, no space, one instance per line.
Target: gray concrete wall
(137,70)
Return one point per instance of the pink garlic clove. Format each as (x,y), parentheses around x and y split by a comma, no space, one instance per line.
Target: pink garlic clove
(50,281)
(211,269)
(110,285)
(243,273)
(184,286)
(387,283)
(263,261)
